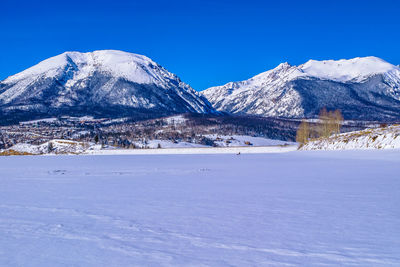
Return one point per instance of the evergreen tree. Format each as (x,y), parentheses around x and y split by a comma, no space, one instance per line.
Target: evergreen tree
(50,147)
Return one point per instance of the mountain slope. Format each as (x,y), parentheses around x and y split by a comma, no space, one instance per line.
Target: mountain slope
(363,88)
(101,83)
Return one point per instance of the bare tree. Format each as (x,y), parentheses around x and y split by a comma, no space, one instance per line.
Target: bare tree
(329,122)
(303,132)
(338,120)
(324,120)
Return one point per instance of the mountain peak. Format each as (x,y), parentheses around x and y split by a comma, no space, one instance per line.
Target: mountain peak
(133,67)
(106,80)
(283,65)
(346,69)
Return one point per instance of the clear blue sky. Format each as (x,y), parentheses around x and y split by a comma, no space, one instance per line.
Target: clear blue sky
(204,42)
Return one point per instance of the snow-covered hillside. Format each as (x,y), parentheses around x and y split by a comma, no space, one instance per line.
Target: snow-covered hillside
(303,208)
(378,138)
(107,83)
(52,147)
(362,88)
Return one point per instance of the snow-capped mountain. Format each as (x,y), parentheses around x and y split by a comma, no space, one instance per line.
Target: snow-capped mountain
(362,88)
(101,83)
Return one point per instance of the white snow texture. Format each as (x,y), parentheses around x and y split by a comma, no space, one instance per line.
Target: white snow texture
(302,208)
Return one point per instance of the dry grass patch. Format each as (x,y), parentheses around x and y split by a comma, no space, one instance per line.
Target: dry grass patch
(12,152)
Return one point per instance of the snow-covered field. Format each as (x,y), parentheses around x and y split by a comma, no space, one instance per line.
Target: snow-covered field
(304,208)
(196,150)
(245,140)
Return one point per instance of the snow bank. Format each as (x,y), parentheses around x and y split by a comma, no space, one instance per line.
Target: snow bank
(378,138)
(57,146)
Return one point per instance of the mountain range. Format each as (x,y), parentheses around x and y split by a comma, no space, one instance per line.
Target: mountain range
(110,83)
(362,88)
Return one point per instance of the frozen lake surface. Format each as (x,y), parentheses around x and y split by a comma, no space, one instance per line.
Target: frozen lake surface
(309,208)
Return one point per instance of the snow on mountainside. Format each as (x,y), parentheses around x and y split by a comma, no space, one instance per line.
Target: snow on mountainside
(98,83)
(133,67)
(378,138)
(346,70)
(363,88)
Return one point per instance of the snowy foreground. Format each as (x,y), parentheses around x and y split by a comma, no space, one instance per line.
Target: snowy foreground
(304,208)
